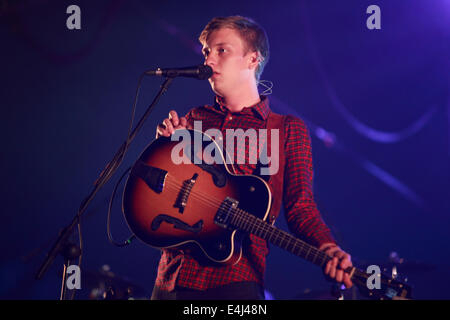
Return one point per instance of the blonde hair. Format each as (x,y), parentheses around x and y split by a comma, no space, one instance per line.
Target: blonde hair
(253,35)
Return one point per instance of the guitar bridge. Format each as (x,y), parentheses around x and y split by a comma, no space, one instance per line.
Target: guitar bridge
(224,215)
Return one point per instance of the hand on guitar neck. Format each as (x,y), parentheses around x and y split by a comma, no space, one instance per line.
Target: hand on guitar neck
(341,260)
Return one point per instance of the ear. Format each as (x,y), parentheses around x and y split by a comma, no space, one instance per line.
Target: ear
(253,60)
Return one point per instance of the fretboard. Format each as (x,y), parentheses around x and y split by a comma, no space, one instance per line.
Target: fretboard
(248,222)
(242,220)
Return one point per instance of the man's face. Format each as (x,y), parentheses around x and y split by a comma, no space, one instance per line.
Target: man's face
(224,53)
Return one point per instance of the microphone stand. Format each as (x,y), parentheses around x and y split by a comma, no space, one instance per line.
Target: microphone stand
(62,244)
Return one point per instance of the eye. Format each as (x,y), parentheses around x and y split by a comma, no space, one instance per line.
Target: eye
(222,50)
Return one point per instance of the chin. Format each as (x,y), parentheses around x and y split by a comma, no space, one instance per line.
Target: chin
(215,89)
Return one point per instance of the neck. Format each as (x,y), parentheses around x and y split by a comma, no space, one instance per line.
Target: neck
(246,96)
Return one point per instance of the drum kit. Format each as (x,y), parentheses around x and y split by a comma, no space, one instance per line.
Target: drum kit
(106,285)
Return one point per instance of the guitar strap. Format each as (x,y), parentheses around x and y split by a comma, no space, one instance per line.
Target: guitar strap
(276,121)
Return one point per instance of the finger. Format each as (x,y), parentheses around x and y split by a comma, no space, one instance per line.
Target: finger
(339,253)
(347,282)
(339,275)
(328,267)
(183,122)
(334,263)
(343,257)
(332,251)
(345,261)
(332,274)
(161,130)
(169,126)
(174,117)
(345,264)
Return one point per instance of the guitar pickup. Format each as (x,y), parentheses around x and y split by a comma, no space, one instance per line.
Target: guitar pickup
(185,191)
(226,213)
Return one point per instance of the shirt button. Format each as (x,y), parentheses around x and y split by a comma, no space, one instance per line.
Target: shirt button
(230,118)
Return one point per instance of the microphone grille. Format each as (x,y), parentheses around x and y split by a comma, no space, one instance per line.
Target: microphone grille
(204,72)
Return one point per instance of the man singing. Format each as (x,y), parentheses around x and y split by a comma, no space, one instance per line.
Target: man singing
(237,49)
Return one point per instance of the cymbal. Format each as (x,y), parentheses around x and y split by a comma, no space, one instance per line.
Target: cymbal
(410,267)
(105,282)
(401,264)
(407,267)
(314,294)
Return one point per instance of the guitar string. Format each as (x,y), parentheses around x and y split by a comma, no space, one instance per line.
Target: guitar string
(260,225)
(298,245)
(264,227)
(254,224)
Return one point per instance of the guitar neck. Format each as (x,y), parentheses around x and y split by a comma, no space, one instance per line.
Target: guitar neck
(248,222)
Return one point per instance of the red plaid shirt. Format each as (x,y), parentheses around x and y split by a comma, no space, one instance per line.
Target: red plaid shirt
(177,267)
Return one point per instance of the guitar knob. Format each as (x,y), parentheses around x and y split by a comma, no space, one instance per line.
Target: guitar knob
(252,189)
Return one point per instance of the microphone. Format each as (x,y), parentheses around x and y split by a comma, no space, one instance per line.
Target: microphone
(200,72)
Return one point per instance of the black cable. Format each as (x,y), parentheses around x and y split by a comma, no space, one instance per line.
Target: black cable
(109,170)
(108,223)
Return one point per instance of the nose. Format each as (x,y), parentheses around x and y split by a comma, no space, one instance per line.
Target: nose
(210,61)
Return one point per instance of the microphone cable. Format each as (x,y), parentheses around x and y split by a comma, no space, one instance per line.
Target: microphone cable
(108,222)
(106,174)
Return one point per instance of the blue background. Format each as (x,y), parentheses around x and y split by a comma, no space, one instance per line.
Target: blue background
(382,175)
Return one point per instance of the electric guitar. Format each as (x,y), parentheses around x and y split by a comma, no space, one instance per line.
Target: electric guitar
(184,193)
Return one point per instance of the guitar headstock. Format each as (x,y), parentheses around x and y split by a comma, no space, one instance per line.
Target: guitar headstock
(378,285)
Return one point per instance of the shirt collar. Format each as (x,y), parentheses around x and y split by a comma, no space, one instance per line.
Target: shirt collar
(261,109)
